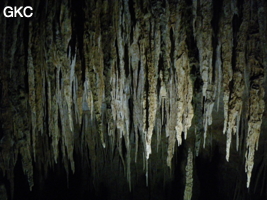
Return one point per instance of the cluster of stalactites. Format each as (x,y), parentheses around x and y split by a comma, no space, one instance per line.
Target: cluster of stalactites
(140,71)
(245,96)
(189,176)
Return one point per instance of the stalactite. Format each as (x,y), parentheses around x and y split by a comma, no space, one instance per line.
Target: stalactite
(256,91)
(27,163)
(218,65)
(32,98)
(235,103)
(138,85)
(197,143)
(203,34)
(121,88)
(184,84)
(227,46)
(146,170)
(181,110)
(152,62)
(94,61)
(189,176)
(172,110)
(65,66)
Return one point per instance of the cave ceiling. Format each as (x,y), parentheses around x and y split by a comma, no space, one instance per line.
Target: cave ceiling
(134,99)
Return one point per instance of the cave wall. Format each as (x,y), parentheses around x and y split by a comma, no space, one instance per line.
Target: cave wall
(135,95)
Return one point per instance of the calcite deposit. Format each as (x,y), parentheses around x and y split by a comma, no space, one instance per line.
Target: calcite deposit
(133,87)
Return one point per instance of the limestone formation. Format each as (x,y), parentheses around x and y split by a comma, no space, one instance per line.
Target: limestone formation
(129,85)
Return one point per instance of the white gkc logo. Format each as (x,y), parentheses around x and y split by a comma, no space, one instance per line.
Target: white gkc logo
(14,12)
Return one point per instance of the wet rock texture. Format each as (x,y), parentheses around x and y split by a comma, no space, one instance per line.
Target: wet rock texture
(136,97)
